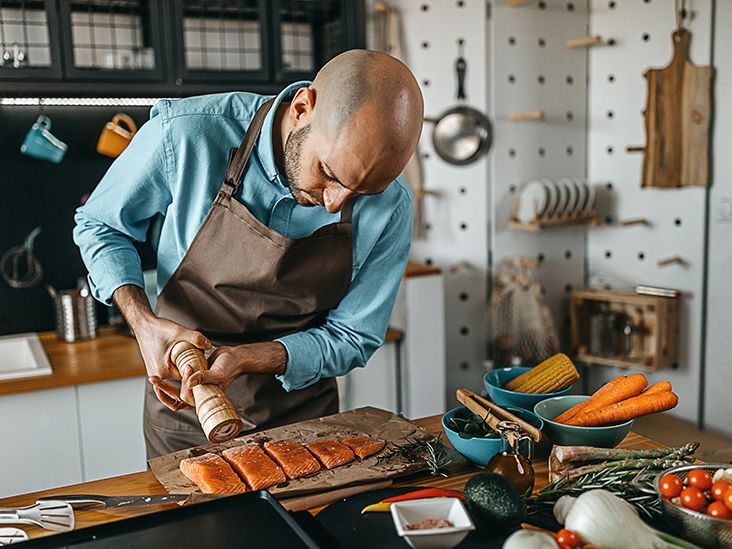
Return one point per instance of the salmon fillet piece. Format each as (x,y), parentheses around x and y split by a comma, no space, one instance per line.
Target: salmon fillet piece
(364,447)
(212,475)
(331,452)
(254,466)
(292,456)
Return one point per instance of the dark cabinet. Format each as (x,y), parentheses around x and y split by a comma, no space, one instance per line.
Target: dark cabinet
(172,47)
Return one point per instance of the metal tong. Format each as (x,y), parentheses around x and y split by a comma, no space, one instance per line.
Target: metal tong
(10,535)
(54,515)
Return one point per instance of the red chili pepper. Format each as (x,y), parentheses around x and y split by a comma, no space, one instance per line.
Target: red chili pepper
(425,493)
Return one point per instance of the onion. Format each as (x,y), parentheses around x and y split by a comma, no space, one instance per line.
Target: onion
(530,539)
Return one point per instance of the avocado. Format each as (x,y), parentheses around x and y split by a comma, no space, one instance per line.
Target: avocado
(493,502)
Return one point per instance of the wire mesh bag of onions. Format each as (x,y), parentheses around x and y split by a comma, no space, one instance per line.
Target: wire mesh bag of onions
(521,330)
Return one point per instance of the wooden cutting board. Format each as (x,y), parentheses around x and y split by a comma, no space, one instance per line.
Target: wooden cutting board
(677,116)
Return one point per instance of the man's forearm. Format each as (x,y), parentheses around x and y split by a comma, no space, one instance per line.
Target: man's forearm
(132,302)
(268,357)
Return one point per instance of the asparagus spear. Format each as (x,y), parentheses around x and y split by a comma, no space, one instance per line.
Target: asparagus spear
(571,454)
(656,464)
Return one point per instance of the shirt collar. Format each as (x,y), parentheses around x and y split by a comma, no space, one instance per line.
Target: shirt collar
(264,142)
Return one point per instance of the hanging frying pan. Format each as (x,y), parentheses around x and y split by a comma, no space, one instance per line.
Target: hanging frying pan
(462,134)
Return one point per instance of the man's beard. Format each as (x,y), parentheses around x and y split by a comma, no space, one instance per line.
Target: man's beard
(293,149)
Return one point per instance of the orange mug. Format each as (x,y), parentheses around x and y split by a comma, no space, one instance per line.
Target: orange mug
(115,138)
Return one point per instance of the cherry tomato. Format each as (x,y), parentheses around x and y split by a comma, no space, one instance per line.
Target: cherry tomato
(567,539)
(718,509)
(720,488)
(670,486)
(699,478)
(728,499)
(693,498)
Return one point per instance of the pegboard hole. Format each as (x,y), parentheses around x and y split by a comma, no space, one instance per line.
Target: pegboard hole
(542,5)
(646,37)
(569,80)
(611,5)
(570,6)
(541,79)
(674,365)
(425,83)
(611,41)
(465,365)
(570,151)
(610,114)
(608,219)
(511,79)
(542,43)
(464,330)
(610,150)
(511,41)
(611,78)
(570,116)
(641,256)
(428,261)
(542,152)
(464,296)
(540,258)
(464,226)
(460,3)
(461,41)
(425,7)
(677,222)
(567,288)
(425,45)
(609,186)
(512,189)
(512,153)
(543,290)
(425,155)
(462,190)
(567,254)
(608,254)
(427,226)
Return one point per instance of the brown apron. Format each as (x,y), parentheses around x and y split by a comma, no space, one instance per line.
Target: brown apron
(242,282)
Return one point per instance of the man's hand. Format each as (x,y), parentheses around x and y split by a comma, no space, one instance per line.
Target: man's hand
(155,337)
(226,363)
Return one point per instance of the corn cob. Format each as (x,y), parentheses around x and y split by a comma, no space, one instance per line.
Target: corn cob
(554,374)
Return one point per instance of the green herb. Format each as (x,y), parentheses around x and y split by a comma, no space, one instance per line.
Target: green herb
(432,452)
(473,427)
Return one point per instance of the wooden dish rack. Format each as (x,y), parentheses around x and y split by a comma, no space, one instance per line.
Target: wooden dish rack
(654,320)
(544,221)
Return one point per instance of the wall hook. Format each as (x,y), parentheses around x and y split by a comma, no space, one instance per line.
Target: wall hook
(674,259)
(526,116)
(635,221)
(584,41)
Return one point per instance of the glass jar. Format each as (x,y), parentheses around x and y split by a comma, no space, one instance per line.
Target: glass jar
(509,462)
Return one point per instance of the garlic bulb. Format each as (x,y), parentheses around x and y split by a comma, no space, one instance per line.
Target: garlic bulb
(530,539)
(722,474)
(605,520)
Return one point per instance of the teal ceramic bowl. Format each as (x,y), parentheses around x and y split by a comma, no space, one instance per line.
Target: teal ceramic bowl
(481,450)
(495,381)
(568,435)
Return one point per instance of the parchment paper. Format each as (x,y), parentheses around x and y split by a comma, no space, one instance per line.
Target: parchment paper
(368,421)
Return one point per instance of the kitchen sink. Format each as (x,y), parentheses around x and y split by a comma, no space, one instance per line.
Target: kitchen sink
(22,355)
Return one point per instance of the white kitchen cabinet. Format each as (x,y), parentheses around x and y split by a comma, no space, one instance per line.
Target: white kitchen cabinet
(40,445)
(110,420)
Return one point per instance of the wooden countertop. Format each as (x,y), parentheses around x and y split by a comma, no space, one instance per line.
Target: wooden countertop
(145,483)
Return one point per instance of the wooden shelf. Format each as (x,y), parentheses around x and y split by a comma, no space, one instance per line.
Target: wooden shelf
(543,223)
(624,364)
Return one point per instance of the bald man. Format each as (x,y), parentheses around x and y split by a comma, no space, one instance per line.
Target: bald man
(281,228)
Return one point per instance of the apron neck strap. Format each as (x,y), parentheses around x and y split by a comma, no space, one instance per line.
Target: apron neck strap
(238,158)
(347,211)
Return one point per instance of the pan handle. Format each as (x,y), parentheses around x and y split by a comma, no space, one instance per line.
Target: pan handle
(461,66)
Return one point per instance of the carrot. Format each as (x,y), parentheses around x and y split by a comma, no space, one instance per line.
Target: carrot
(631,408)
(660,387)
(577,408)
(629,387)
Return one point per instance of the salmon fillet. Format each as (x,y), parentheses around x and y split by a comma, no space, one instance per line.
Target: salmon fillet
(331,452)
(212,475)
(292,456)
(364,447)
(254,466)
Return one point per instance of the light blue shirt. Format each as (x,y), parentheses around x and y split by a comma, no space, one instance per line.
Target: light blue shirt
(170,174)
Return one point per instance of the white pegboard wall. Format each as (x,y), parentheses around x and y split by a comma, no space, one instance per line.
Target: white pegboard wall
(625,256)
(457,204)
(532,69)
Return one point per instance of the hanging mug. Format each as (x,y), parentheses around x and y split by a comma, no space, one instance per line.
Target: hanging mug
(115,138)
(40,143)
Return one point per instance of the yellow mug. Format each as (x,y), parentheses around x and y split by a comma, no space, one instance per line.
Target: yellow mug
(115,138)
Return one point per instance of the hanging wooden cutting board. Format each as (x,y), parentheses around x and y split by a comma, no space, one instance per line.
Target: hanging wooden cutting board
(677,117)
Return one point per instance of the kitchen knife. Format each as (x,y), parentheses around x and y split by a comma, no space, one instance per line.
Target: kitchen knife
(87,501)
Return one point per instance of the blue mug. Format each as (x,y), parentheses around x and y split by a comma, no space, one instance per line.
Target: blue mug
(40,143)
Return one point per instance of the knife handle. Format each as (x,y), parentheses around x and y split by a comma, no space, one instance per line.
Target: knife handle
(217,415)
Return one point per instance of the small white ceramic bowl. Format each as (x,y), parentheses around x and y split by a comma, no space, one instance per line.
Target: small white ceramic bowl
(412,512)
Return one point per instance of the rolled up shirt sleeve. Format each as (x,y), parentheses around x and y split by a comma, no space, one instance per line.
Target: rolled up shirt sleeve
(356,328)
(118,212)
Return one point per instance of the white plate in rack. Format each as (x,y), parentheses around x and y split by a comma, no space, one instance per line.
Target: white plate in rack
(572,203)
(532,202)
(591,198)
(552,196)
(584,194)
(563,198)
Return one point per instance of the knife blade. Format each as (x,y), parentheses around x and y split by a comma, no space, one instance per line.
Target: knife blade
(89,501)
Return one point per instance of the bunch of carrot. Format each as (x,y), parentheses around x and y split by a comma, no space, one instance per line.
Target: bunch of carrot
(619,400)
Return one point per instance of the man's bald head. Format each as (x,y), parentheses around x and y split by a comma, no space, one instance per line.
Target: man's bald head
(360,121)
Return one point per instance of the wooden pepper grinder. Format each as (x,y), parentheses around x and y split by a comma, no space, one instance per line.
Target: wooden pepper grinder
(218,417)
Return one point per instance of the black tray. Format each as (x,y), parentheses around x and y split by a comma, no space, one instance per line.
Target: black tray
(254,519)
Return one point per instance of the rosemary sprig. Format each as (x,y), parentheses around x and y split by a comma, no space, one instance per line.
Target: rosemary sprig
(432,452)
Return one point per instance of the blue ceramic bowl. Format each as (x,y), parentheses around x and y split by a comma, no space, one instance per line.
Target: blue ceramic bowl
(481,450)
(569,435)
(495,381)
